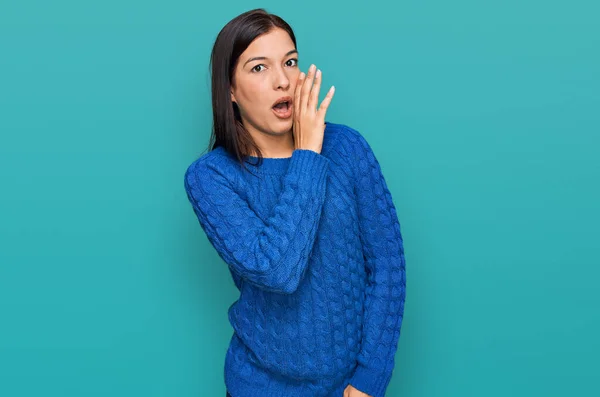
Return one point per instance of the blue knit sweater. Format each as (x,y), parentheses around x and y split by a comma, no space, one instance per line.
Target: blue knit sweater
(313,244)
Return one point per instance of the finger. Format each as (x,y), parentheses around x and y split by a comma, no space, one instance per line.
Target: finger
(313,100)
(297,92)
(296,119)
(325,104)
(306,86)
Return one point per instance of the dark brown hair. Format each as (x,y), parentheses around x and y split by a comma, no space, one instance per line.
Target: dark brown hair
(228,130)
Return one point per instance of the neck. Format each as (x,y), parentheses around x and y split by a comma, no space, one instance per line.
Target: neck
(273,145)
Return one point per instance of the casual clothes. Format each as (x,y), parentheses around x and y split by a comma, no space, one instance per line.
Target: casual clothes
(313,244)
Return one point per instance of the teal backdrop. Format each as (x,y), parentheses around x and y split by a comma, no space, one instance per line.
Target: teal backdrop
(485,117)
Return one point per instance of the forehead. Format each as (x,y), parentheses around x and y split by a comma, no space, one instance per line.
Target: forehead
(273,44)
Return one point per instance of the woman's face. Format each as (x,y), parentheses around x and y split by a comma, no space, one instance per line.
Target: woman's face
(258,83)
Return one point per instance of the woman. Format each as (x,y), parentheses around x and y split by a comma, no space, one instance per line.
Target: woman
(299,210)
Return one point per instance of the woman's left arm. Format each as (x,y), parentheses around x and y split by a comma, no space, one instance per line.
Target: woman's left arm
(384,260)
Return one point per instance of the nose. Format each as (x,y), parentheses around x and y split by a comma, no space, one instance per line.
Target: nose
(281,78)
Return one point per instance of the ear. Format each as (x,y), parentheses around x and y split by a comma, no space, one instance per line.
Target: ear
(232,97)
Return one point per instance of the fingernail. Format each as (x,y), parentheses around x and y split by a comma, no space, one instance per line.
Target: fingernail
(318,72)
(301,75)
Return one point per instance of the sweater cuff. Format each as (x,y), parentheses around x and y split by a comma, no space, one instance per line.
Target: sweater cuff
(370,381)
(308,167)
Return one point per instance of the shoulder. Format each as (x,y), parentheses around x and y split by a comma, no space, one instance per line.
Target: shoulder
(207,168)
(348,141)
(344,134)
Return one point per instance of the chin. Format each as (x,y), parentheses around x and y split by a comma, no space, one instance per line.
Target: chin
(284,126)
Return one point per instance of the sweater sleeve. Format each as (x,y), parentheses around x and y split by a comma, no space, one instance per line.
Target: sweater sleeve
(270,253)
(384,261)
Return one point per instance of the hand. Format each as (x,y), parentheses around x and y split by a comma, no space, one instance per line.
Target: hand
(309,123)
(351,391)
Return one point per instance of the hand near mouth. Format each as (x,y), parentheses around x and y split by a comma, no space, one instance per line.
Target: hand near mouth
(309,122)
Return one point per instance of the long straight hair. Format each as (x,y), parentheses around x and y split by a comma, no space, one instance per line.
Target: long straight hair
(228,130)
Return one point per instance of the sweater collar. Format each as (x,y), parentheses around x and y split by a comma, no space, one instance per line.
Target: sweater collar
(269,165)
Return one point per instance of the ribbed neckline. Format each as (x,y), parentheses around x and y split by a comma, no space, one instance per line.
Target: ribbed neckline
(270,165)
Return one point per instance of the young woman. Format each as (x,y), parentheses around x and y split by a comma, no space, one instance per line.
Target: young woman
(298,209)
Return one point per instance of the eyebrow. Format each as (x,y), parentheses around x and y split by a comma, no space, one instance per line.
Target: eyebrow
(259,58)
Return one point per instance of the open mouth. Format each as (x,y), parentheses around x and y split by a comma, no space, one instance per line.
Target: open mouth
(283,109)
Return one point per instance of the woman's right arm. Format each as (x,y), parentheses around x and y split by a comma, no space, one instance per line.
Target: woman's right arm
(272,254)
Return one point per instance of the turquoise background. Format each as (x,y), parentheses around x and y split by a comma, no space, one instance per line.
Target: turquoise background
(485,117)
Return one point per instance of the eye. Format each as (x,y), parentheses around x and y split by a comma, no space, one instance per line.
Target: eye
(294,64)
(254,68)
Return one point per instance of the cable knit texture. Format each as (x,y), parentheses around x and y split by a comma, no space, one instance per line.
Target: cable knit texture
(313,244)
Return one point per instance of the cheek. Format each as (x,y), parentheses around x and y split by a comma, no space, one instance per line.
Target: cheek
(256,95)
